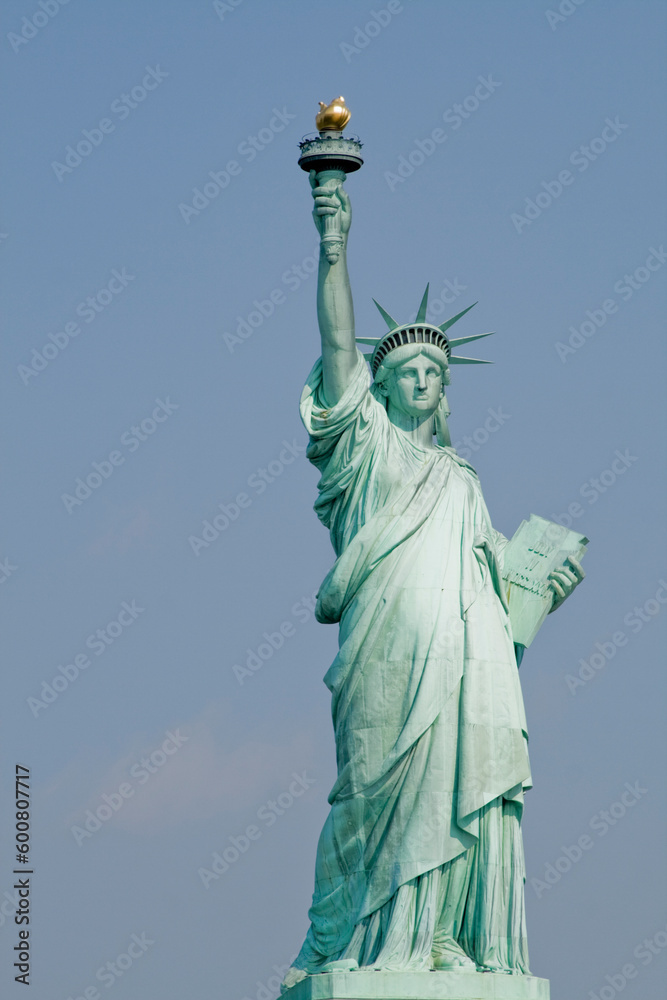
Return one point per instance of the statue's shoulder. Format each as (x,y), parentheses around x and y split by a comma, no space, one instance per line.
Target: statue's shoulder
(461,462)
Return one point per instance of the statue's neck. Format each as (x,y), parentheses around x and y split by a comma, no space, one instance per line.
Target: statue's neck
(419,429)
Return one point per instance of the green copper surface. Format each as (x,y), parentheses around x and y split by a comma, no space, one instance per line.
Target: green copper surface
(420,868)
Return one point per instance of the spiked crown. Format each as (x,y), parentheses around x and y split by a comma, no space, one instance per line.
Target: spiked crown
(419,332)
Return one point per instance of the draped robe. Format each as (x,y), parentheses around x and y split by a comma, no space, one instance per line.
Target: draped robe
(426,701)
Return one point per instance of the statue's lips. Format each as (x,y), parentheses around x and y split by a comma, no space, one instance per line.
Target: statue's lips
(419,406)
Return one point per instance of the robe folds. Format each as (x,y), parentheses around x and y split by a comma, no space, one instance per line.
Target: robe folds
(426,702)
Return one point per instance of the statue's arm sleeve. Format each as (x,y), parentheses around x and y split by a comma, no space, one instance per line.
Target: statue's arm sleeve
(500,544)
(348,425)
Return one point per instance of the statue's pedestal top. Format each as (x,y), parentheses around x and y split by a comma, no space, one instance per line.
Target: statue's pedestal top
(418,986)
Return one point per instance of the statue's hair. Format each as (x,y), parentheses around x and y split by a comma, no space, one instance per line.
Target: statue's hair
(407,352)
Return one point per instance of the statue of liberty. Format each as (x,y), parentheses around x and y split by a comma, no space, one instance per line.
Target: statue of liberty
(420,863)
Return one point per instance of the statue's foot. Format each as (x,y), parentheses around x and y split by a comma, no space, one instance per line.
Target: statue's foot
(341,965)
(292,977)
(450,957)
(447,964)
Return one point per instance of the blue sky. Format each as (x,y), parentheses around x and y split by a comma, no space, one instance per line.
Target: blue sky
(138,301)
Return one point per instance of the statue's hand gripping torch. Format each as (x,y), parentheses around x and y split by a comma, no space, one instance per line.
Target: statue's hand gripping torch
(332,211)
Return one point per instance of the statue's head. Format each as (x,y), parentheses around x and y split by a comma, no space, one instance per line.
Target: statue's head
(410,365)
(412,378)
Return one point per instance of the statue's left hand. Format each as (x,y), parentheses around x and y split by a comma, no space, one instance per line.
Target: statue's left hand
(563,581)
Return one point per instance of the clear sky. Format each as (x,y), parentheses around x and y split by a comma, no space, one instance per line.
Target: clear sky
(160,322)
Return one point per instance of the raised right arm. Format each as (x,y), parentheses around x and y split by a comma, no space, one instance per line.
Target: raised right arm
(335,313)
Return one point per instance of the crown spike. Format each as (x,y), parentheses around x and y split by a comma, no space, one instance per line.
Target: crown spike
(421,314)
(398,335)
(468,361)
(450,322)
(467,340)
(389,320)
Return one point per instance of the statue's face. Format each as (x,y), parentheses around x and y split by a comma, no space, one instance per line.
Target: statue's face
(416,386)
